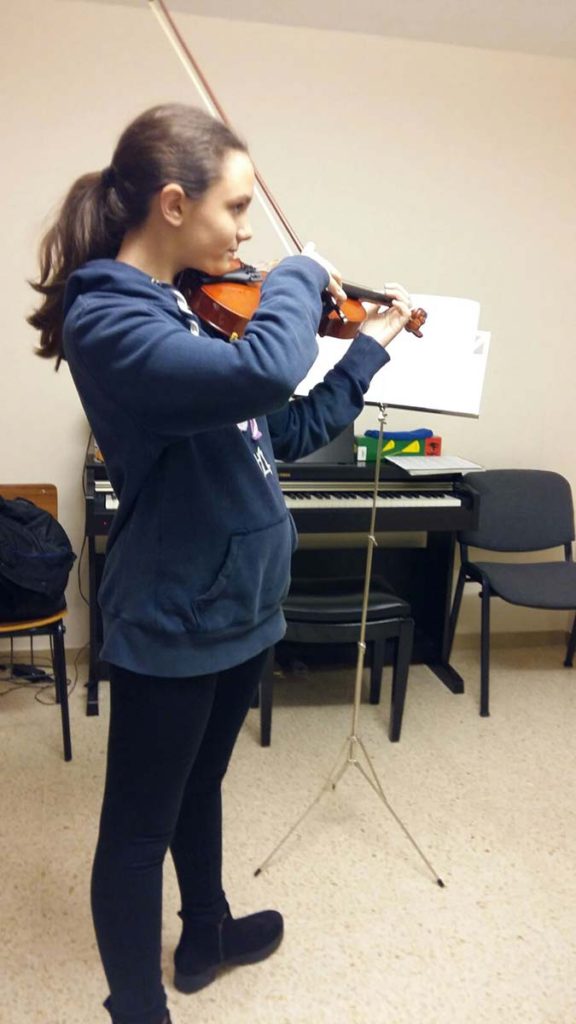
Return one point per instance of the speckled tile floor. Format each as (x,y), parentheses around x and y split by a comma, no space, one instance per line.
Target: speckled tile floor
(370,938)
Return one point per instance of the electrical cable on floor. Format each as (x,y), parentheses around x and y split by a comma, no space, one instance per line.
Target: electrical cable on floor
(34,677)
(78,569)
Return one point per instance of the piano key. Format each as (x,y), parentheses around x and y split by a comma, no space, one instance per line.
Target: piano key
(350,500)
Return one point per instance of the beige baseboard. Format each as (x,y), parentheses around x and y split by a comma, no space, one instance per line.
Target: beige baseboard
(462,642)
(543,638)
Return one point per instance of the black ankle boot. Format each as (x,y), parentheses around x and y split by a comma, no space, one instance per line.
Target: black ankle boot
(107,1004)
(208,944)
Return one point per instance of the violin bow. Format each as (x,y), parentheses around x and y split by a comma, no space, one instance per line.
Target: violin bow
(200,82)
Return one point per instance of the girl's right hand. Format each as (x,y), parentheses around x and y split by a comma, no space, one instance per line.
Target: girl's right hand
(334,287)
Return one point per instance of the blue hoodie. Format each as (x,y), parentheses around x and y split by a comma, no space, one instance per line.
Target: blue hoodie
(190,425)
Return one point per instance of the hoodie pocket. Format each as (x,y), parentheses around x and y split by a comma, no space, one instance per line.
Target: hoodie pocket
(251,585)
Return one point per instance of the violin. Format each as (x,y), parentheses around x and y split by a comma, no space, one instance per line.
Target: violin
(229,302)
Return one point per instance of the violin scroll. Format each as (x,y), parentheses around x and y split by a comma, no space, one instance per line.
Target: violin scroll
(417,320)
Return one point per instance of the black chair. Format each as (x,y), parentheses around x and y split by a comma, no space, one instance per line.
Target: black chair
(521,510)
(328,611)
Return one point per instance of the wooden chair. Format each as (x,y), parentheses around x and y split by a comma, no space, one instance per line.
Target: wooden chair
(45,496)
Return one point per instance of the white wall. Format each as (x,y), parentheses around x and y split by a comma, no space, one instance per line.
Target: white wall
(447,168)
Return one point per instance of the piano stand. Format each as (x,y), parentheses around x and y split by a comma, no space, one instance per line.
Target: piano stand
(422,576)
(332,499)
(447,675)
(97,669)
(92,705)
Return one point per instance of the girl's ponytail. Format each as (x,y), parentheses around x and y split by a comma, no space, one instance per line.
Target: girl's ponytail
(90,225)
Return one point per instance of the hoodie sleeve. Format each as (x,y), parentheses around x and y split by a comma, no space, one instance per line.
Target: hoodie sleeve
(174,383)
(308,423)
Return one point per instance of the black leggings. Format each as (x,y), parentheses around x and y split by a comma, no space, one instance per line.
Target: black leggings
(169,745)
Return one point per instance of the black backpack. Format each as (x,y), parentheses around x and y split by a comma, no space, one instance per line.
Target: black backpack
(35,561)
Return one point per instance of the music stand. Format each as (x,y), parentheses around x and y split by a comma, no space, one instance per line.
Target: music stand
(348,755)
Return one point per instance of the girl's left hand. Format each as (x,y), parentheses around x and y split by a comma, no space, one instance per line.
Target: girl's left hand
(383,323)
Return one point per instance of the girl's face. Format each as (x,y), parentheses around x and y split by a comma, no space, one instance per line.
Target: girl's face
(216,225)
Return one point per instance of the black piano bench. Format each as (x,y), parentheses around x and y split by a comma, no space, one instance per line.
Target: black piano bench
(324,611)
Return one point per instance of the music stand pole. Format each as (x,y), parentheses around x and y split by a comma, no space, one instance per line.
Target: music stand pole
(353,745)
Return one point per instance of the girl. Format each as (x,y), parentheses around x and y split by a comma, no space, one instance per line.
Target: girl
(198,557)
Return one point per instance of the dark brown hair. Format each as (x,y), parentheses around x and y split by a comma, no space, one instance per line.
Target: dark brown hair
(168,143)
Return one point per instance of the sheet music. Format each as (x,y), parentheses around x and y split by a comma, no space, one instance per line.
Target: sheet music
(441,372)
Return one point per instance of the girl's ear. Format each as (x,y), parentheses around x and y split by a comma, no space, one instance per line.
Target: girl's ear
(171,201)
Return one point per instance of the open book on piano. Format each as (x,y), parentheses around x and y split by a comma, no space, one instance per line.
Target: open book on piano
(433,465)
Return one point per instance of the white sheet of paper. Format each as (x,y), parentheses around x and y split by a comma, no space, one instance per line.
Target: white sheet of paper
(441,372)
